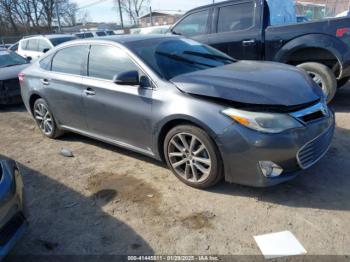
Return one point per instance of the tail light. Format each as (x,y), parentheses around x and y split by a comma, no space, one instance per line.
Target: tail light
(342,31)
(21,77)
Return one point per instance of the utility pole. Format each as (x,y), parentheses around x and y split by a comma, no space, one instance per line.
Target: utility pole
(150,15)
(121,14)
(58,17)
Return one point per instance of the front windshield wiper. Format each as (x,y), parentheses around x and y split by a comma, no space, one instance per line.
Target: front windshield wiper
(210,56)
(182,59)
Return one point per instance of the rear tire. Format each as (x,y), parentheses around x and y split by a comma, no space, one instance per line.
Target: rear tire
(193,156)
(45,119)
(323,76)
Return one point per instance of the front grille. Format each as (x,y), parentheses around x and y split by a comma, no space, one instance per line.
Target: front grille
(313,113)
(10,228)
(313,151)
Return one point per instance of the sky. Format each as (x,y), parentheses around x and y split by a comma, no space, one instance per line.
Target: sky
(106,11)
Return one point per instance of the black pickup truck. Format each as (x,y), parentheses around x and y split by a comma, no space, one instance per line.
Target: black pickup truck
(244,30)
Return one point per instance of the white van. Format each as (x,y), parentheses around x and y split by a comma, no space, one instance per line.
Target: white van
(35,46)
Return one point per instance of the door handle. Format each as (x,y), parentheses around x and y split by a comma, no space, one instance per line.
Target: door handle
(45,82)
(89,92)
(248,42)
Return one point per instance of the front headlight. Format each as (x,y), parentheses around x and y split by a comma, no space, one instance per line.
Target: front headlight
(263,122)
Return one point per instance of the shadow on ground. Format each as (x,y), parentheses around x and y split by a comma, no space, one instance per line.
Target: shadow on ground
(74,217)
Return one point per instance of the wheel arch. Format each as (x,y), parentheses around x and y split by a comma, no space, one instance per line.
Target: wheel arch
(317,48)
(165,126)
(33,97)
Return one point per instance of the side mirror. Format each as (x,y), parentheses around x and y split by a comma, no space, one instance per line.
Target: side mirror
(129,78)
(29,59)
(46,50)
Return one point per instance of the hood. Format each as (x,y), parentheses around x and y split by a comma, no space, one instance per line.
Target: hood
(260,83)
(11,72)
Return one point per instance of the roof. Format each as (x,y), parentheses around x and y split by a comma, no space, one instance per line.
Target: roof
(165,12)
(53,36)
(124,39)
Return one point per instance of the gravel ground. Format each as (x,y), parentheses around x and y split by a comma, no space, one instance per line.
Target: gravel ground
(106,200)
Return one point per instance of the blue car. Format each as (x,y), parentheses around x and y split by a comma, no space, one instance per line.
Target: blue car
(12,216)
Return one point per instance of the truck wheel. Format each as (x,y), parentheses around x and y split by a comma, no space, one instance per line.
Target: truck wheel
(323,76)
(342,82)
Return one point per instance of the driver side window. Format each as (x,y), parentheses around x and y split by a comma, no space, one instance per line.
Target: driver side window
(193,25)
(107,61)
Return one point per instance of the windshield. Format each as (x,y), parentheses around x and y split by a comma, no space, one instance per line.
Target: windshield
(59,40)
(172,57)
(8,59)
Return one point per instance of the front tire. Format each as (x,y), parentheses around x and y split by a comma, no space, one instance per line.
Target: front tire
(193,156)
(45,120)
(323,76)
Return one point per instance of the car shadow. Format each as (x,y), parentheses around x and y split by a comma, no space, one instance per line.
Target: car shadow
(72,137)
(65,224)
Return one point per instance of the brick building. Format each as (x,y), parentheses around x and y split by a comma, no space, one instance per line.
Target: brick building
(331,7)
(160,17)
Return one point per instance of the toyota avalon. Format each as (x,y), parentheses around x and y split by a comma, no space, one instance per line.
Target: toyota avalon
(207,115)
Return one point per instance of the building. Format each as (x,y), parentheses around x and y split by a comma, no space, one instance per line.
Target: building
(160,17)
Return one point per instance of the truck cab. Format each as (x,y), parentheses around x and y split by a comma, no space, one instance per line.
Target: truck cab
(270,30)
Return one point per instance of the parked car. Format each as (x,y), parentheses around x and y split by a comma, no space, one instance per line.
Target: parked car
(84,35)
(208,115)
(12,215)
(14,47)
(10,66)
(5,45)
(243,30)
(35,46)
(152,30)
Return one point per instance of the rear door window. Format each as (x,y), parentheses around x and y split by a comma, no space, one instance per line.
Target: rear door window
(193,25)
(107,61)
(236,17)
(33,45)
(71,60)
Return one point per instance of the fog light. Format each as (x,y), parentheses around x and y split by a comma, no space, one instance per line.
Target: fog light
(270,169)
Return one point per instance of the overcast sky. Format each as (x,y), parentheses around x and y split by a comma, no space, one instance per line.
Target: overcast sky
(105,11)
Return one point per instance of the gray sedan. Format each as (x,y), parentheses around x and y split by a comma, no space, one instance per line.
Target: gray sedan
(207,115)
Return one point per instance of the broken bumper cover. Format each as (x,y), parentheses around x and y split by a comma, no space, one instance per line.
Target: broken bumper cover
(243,149)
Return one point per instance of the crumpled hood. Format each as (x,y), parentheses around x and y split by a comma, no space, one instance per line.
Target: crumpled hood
(261,83)
(11,72)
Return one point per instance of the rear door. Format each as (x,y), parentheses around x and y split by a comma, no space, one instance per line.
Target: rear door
(195,25)
(237,30)
(62,87)
(117,112)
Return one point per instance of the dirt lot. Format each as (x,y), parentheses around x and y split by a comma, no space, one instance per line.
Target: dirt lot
(108,200)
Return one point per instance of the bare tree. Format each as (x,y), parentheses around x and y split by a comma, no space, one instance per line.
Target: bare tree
(133,8)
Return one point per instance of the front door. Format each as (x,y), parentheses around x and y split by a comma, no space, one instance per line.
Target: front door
(117,112)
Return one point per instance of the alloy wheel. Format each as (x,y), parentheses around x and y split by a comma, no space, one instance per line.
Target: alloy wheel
(44,119)
(318,80)
(189,157)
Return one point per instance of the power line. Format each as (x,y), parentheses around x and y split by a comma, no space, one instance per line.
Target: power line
(92,4)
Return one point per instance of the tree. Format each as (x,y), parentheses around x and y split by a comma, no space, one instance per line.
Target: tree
(133,8)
